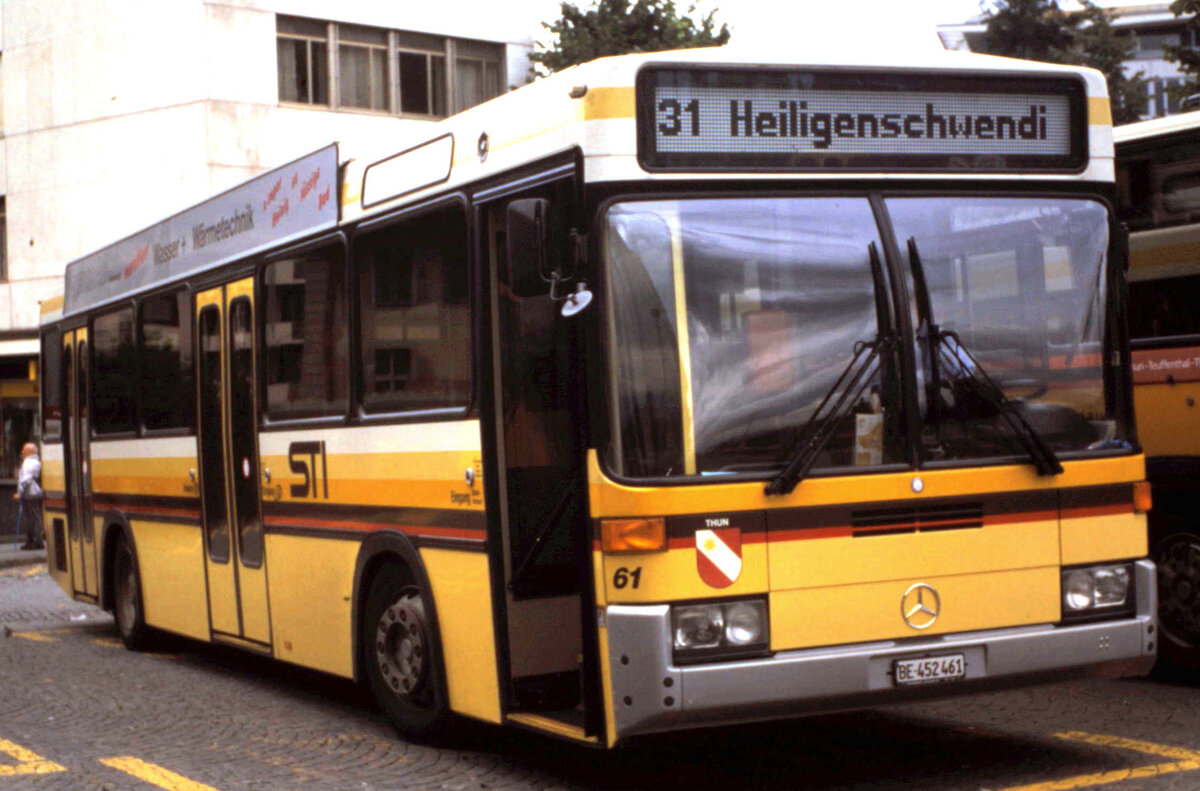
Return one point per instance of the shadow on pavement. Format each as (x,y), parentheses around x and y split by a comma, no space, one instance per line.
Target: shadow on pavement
(876,749)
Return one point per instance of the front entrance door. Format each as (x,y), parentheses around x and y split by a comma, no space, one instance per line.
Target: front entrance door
(81,531)
(539,416)
(228,449)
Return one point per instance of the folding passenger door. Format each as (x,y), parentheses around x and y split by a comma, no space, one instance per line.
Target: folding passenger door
(227,422)
(539,396)
(81,531)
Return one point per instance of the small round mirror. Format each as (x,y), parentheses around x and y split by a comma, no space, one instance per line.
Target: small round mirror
(577,301)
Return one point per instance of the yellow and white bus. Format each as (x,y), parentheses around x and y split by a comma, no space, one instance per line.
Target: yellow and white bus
(672,390)
(1158,184)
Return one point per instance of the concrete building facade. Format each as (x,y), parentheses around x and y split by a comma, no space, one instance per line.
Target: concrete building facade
(118,113)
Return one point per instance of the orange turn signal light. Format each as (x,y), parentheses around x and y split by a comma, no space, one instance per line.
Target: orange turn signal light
(1143,501)
(633,535)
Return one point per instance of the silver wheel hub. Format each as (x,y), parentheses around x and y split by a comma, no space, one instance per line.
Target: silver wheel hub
(400,646)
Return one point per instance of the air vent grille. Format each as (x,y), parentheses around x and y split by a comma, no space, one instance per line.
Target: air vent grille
(921,518)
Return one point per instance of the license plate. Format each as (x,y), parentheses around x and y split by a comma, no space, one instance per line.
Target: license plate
(949,667)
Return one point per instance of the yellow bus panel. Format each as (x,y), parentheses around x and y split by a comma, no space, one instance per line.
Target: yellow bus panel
(159,476)
(463,596)
(1168,418)
(663,576)
(171,564)
(1103,537)
(822,562)
(861,613)
(311,583)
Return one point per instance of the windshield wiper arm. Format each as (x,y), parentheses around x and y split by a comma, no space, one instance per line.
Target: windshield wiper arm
(925,316)
(824,420)
(1044,459)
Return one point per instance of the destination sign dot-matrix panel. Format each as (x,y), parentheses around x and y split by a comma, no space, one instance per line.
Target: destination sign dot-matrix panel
(696,119)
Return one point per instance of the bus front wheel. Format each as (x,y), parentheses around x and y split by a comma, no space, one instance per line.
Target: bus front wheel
(127,600)
(400,655)
(1178,558)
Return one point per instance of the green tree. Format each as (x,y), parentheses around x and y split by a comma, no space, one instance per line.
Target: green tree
(1030,29)
(1097,44)
(1187,57)
(1040,30)
(617,27)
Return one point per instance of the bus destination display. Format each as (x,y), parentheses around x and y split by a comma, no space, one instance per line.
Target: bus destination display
(692,119)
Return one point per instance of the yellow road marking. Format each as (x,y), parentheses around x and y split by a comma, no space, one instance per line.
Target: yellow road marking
(37,637)
(30,763)
(1189,760)
(1166,751)
(111,642)
(22,571)
(1104,778)
(155,775)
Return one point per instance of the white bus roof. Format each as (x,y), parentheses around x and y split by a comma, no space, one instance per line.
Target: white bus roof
(1156,127)
(590,108)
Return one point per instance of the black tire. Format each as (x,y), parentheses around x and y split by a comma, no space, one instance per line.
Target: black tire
(401,655)
(127,599)
(1177,555)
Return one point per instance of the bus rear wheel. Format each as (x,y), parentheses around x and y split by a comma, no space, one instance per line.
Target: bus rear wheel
(127,599)
(1178,558)
(401,656)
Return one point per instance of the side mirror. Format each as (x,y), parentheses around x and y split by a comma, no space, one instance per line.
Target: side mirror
(528,238)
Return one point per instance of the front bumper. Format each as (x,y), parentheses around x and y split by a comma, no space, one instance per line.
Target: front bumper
(652,694)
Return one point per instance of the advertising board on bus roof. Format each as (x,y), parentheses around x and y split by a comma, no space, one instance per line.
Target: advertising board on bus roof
(286,203)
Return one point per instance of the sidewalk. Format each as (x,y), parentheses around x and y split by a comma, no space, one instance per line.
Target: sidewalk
(11,553)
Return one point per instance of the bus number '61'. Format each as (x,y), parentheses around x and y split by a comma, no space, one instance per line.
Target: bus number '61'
(308,459)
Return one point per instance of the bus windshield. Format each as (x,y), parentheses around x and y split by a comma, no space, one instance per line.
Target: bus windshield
(730,320)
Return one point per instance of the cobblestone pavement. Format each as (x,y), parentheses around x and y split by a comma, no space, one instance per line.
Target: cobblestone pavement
(79,712)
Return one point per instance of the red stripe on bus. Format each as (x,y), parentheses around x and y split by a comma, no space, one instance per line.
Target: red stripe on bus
(1085,511)
(151,509)
(372,527)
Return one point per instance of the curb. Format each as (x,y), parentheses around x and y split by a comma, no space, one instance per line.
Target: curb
(23,559)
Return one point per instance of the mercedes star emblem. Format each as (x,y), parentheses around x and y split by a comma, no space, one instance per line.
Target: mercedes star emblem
(920,606)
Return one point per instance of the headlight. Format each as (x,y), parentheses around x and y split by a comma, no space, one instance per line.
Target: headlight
(713,631)
(1095,590)
(699,627)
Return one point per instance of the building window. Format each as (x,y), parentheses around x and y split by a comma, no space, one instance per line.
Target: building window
(392,369)
(422,82)
(477,68)
(363,67)
(382,70)
(302,49)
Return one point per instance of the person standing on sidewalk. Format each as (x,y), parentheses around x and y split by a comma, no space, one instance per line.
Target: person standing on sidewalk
(29,494)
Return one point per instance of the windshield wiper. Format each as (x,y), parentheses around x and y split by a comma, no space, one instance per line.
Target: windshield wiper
(836,405)
(972,373)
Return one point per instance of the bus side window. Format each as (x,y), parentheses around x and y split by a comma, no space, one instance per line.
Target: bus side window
(52,386)
(115,365)
(414,317)
(1164,308)
(165,337)
(307,337)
